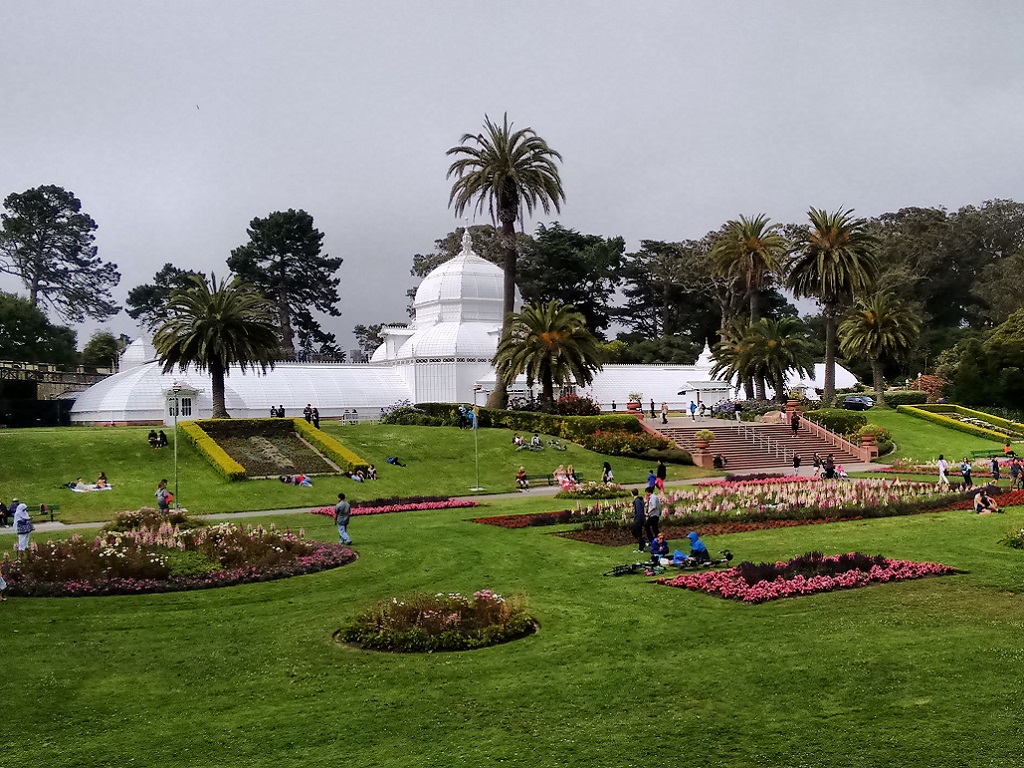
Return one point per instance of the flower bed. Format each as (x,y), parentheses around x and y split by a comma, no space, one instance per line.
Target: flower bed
(167,558)
(441,622)
(616,536)
(805,575)
(377,508)
(593,491)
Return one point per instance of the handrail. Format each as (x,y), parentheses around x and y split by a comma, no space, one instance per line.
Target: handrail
(769,444)
(864,454)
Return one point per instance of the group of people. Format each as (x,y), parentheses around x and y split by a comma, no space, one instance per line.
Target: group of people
(646,528)
(694,409)
(359,475)
(309,413)
(297,479)
(565,477)
(157,440)
(1015,470)
(519,442)
(101,484)
(277,413)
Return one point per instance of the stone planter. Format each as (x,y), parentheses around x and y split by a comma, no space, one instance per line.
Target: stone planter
(868,442)
(703,445)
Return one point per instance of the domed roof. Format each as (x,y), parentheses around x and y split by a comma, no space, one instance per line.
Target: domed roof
(465,288)
(138,352)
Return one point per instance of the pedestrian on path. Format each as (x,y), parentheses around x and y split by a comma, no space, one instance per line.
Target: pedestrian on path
(652,407)
(342,514)
(664,412)
(653,514)
(737,409)
(943,471)
(22,526)
(693,411)
(796,463)
(965,473)
(816,462)
(995,469)
(794,422)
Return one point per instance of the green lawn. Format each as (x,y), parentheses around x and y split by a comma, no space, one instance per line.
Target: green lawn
(923,441)
(37,463)
(621,673)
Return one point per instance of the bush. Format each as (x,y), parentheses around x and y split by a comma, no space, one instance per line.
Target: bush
(594,491)
(1014,538)
(752,409)
(441,622)
(330,447)
(838,420)
(896,397)
(565,427)
(883,438)
(668,455)
(574,405)
(218,458)
(618,442)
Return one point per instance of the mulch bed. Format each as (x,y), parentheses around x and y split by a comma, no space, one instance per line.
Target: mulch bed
(618,537)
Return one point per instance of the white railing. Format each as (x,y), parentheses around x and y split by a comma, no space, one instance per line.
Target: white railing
(765,442)
(864,454)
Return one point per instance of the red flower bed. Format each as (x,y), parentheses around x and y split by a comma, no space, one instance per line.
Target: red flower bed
(732,585)
(1006,499)
(386,509)
(526,521)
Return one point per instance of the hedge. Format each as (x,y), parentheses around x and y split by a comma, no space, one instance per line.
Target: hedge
(937,417)
(330,447)
(219,459)
(897,397)
(838,420)
(999,421)
(566,427)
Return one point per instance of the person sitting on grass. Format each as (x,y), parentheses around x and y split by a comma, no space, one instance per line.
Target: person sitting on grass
(535,441)
(517,440)
(161,440)
(659,548)
(152,438)
(101,481)
(985,504)
(521,482)
(393,460)
(719,461)
(371,472)
(698,552)
(357,476)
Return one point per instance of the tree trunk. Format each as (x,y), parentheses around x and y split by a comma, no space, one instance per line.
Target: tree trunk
(755,316)
(499,397)
(217,385)
(830,355)
(284,316)
(879,381)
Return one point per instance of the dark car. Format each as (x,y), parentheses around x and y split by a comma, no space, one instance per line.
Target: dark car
(858,403)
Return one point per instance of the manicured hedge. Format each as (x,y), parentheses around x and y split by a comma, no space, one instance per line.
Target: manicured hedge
(896,397)
(838,420)
(330,447)
(998,421)
(945,421)
(566,427)
(225,466)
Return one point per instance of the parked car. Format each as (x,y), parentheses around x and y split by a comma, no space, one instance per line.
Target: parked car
(858,403)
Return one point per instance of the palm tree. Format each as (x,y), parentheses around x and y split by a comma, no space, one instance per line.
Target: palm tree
(776,347)
(749,252)
(880,328)
(506,172)
(550,343)
(215,326)
(834,261)
(732,354)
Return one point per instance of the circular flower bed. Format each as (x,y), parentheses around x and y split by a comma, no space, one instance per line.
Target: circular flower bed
(151,554)
(442,622)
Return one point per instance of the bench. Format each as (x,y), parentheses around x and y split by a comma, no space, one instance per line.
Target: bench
(995,453)
(550,479)
(44,509)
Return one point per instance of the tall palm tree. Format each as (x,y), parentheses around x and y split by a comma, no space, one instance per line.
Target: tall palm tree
(879,328)
(732,354)
(507,173)
(749,252)
(776,347)
(834,261)
(550,343)
(214,326)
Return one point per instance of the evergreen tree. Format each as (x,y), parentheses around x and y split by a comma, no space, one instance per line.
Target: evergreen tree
(148,302)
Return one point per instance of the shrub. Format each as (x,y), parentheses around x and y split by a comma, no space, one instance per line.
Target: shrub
(594,491)
(895,397)
(218,458)
(618,442)
(933,414)
(668,455)
(441,622)
(726,409)
(147,517)
(330,447)
(704,434)
(565,427)
(1014,538)
(883,438)
(574,405)
(838,420)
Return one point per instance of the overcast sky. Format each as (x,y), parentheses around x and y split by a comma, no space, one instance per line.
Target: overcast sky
(177,123)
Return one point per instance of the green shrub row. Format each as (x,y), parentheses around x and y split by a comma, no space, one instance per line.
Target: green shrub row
(938,418)
(566,427)
(896,397)
(838,420)
(219,459)
(619,442)
(999,421)
(330,447)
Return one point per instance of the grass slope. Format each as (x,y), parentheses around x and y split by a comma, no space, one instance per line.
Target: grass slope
(923,441)
(38,462)
(911,674)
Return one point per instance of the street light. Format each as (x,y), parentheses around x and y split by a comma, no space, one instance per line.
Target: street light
(476,436)
(176,389)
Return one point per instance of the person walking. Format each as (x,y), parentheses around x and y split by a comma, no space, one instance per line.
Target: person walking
(316,418)
(163,502)
(342,514)
(943,466)
(816,463)
(995,469)
(22,526)
(664,412)
(653,514)
(703,410)
(307,413)
(737,410)
(693,411)
(639,517)
(794,422)
(796,463)
(662,475)
(652,407)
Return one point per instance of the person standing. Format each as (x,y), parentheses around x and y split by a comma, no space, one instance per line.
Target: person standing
(307,413)
(22,526)
(794,422)
(653,514)
(703,411)
(693,411)
(662,475)
(652,407)
(965,473)
(316,418)
(796,463)
(816,463)
(943,466)
(664,413)
(280,411)
(995,469)
(163,497)
(737,410)
(342,514)
(639,517)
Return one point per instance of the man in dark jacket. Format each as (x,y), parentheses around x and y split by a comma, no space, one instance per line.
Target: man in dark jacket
(342,513)
(639,517)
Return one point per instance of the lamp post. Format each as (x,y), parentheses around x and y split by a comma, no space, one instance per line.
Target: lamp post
(176,389)
(476,437)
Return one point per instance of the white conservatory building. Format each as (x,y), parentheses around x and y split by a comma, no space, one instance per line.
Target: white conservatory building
(443,356)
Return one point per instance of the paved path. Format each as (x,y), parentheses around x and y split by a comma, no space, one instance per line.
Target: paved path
(538,491)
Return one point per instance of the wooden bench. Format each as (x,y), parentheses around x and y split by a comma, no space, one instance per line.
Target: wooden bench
(995,453)
(550,479)
(44,509)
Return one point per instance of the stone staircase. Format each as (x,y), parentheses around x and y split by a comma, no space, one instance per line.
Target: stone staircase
(757,446)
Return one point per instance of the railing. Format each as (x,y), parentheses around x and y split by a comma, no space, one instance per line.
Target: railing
(766,442)
(864,454)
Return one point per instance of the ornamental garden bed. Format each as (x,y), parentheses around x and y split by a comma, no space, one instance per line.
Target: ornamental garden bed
(389,506)
(805,575)
(150,554)
(268,447)
(442,622)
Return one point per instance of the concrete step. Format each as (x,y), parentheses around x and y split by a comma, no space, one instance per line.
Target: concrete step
(743,453)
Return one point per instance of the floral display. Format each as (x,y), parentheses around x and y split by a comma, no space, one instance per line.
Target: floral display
(1014,538)
(807,575)
(446,621)
(372,508)
(166,558)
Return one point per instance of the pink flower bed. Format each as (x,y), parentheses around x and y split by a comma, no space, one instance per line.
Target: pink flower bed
(728,584)
(389,508)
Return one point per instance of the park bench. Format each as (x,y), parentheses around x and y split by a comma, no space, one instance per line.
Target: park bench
(550,479)
(43,510)
(350,417)
(990,454)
